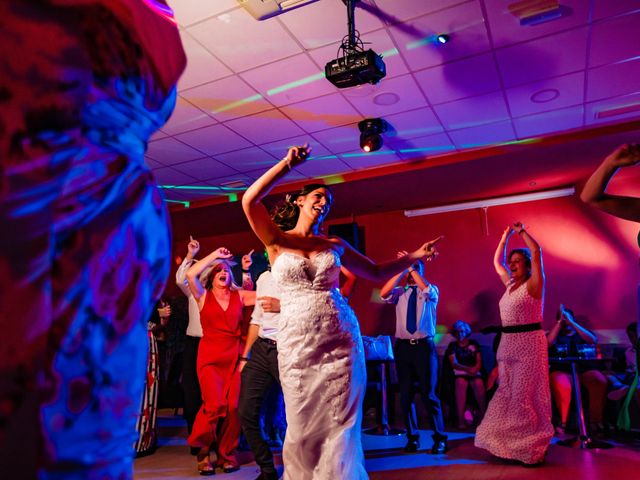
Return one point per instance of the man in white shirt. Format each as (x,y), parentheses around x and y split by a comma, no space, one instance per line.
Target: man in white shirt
(190,383)
(415,353)
(260,370)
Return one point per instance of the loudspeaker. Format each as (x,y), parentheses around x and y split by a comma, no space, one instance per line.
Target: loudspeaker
(350,232)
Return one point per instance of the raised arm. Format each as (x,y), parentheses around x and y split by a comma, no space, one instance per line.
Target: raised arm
(364,267)
(594,193)
(193,274)
(257,214)
(535,284)
(500,257)
(181,274)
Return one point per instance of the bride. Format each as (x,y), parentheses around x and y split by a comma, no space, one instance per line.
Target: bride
(321,359)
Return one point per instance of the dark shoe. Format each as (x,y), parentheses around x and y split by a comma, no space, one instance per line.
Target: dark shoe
(413,443)
(230,468)
(439,445)
(194,450)
(268,476)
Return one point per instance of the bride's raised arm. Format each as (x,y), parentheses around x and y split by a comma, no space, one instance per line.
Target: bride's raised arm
(364,267)
(257,214)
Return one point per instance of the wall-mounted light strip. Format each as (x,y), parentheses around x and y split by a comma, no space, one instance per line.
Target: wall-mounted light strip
(492,202)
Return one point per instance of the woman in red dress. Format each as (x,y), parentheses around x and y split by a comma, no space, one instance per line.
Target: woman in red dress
(221,301)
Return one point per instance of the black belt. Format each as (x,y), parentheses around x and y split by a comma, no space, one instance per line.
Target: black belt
(527,327)
(413,341)
(268,340)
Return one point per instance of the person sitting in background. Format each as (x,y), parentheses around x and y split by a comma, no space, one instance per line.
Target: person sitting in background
(621,383)
(563,339)
(466,361)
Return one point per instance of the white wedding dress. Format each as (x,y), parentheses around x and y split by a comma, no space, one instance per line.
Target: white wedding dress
(322,370)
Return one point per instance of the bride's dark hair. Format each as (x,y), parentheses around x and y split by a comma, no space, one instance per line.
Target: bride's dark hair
(286,212)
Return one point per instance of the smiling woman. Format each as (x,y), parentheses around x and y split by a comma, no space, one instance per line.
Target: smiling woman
(320,353)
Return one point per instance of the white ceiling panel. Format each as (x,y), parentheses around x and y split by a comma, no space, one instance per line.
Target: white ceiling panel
(542,123)
(265,127)
(473,111)
(213,140)
(549,94)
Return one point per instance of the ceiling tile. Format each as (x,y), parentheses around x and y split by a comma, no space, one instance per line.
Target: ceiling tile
(169,151)
(453,81)
(265,127)
(473,111)
(323,167)
(243,178)
(339,139)
(463,23)
(549,122)
(379,41)
(204,168)
(279,149)
(393,11)
(227,98)
(157,135)
(325,22)
(506,29)
(613,80)
(247,159)
(413,123)
(291,80)
(170,176)
(192,11)
(607,8)
(483,135)
(549,94)
(358,159)
(544,58)
(186,117)
(293,175)
(213,140)
(613,110)
(615,40)
(151,163)
(202,67)
(242,42)
(322,113)
(390,96)
(422,147)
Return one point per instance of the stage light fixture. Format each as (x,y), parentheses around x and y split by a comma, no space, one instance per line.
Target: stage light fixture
(443,38)
(370,130)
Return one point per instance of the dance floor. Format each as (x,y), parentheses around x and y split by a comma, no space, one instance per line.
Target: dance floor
(385,460)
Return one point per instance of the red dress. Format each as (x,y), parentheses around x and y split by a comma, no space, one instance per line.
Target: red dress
(218,353)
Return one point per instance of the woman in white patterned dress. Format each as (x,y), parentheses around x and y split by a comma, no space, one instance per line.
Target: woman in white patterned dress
(517,425)
(320,352)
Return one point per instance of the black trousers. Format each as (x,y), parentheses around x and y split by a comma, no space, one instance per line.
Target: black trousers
(419,363)
(258,375)
(190,383)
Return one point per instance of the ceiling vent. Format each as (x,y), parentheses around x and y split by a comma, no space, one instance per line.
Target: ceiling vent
(263,9)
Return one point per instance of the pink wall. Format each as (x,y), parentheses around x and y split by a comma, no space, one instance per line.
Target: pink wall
(590,261)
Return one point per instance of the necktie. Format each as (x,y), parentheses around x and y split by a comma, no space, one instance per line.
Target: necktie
(412,324)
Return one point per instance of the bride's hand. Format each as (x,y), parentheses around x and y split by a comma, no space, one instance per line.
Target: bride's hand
(428,250)
(297,155)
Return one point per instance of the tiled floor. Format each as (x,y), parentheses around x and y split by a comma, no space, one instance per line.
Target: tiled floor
(386,460)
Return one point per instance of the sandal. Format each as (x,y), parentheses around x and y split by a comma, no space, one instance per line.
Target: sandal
(205,467)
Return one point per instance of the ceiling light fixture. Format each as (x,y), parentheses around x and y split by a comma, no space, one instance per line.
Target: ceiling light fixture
(370,130)
(492,202)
